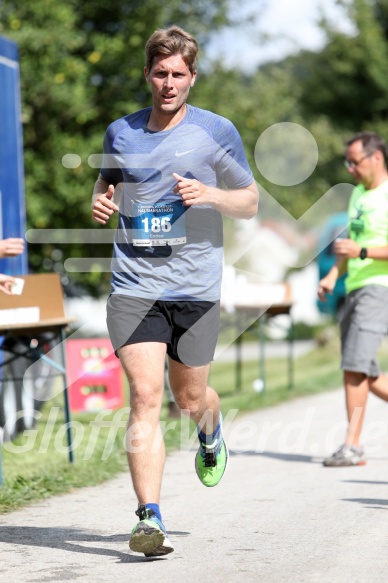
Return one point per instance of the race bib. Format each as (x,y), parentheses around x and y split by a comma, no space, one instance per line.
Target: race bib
(157,224)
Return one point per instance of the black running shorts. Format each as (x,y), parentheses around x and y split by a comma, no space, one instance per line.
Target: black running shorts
(189,328)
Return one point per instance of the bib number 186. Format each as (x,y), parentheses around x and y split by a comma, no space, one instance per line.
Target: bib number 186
(157,224)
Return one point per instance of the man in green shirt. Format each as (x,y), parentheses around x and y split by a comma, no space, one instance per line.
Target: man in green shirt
(365,258)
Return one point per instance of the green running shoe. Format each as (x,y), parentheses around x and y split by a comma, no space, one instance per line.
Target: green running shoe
(149,536)
(211,461)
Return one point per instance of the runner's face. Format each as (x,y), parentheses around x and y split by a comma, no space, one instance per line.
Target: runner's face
(363,168)
(170,80)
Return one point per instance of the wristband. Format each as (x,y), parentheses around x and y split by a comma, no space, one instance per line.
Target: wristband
(363,253)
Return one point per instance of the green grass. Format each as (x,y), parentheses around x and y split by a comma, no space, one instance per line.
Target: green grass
(42,470)
(314,372)
(39,468)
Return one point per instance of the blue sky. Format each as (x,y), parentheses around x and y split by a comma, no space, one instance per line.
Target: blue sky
(291,24)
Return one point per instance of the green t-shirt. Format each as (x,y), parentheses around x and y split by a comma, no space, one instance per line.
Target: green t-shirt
(368,213)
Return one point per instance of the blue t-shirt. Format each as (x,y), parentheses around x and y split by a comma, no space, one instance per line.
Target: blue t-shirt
(162,249)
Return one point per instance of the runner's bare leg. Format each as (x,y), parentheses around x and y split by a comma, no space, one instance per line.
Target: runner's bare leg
(143,364)
(192,393)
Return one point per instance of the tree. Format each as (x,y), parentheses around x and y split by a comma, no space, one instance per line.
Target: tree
(347,80)
(333,93)
(271,96)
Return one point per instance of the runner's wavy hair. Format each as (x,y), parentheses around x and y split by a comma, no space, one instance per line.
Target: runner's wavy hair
(172,41)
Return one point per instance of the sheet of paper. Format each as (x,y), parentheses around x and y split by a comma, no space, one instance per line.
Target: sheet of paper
(14,316)
(17,287)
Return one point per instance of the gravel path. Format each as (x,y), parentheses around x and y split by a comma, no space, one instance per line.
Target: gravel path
(278,514)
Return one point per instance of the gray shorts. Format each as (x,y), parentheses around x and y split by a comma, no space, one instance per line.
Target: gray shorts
(363,326)
(188,328)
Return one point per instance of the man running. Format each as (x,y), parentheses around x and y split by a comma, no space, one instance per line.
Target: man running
(180,169)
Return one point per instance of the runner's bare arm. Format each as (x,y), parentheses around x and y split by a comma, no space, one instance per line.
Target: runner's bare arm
(241,203)
(327,284)
(351,249)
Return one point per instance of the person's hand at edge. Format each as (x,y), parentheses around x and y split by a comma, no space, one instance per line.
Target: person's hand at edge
(6,283)
(11,247)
